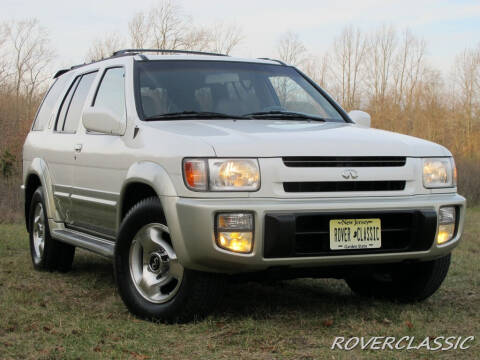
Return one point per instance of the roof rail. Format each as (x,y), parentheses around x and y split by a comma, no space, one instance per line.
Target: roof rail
(278,61)
(137,51)
(60,73)
(130,52)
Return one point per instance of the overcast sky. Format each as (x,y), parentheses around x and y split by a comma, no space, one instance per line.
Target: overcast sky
(447,26)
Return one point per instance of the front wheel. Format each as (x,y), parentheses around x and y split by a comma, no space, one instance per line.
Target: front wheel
(151,281)
(406,282)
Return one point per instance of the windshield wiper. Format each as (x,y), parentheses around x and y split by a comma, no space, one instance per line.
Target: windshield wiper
(282,115)
(193,114)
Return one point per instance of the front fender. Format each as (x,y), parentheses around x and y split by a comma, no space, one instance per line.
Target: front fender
(148,173)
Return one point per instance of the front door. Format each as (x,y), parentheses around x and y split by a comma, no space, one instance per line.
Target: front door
(99,167)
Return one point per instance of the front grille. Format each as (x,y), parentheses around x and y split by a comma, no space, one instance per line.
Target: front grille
(333,186)
(344,161)
(297,235)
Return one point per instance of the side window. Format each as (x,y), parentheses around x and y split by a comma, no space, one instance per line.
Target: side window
(111,92)
(62,114)
(74,112)
(46,108)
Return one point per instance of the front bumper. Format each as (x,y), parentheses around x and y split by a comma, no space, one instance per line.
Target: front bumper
(191,224)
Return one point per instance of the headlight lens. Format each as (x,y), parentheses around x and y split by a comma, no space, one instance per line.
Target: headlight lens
(438,172)
(222,174)
(234,174)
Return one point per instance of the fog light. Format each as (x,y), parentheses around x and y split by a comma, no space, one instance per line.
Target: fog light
(446,224)
(240,242)
(234,232)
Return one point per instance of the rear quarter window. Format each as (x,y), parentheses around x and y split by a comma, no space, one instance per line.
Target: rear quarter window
(49,101)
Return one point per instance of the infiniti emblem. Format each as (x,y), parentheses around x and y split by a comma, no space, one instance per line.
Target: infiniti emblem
(349,174)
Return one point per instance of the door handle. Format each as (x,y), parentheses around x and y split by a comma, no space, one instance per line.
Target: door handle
(78,147)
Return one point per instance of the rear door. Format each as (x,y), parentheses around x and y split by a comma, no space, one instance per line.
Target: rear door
(60,158)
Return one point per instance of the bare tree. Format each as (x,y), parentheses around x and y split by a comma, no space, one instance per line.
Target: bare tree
(381,50)
(31,56)
(467,88)
(104,47)
(291,49)
(224,37)
(349,56)
(197,38)
(409,68)
(139,31)
(4,73)
(29,41)
(317,68)
(168,25)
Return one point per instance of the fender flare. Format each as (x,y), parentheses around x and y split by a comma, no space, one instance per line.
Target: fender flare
(39,167)
(148,173)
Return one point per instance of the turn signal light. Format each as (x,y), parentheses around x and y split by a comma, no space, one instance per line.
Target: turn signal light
(195,174)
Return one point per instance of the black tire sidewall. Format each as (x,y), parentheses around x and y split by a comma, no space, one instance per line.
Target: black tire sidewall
(49,256)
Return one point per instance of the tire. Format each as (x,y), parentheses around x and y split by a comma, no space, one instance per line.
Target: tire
(410,282)
(151,281)
(46,253)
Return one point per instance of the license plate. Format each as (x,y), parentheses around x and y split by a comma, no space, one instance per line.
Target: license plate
(353,234)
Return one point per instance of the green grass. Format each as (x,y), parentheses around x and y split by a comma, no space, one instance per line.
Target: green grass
(79,315)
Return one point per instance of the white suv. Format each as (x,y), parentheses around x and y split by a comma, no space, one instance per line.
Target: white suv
(191,169)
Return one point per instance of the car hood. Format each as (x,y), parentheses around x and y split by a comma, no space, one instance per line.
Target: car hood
(273,138)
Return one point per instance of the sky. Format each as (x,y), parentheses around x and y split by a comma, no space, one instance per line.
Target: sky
(447,26)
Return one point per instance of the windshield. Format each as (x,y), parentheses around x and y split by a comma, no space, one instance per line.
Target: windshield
(242,90)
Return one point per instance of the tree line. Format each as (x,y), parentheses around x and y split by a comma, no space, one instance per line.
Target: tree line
(384,72)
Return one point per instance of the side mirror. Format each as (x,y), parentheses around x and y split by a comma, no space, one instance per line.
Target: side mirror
(103,120)
(360,117)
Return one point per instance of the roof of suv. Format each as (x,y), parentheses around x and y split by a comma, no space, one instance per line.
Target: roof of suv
(139,55)
(208,57)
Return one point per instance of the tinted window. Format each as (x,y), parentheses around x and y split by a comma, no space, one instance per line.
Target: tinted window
(45,111)
(233,88)
(111,92)
(74,112)
(65,104)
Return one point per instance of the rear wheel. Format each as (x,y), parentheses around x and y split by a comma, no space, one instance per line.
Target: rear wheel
(46,253)
(151,281)
(408,282)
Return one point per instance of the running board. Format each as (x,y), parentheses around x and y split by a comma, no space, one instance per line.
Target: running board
(85,241)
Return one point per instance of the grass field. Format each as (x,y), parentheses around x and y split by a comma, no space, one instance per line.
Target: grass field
(79,315)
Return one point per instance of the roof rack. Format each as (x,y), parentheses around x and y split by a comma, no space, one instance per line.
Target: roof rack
(137,51)
(129,52)
(276,60)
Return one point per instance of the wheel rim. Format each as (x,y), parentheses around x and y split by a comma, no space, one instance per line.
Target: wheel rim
(38,232)
(154,267)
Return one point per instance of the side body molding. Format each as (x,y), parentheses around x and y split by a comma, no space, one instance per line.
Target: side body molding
(39,167)
(148,173)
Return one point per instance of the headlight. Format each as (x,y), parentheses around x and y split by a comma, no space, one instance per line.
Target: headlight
(221,174)
(439,172)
